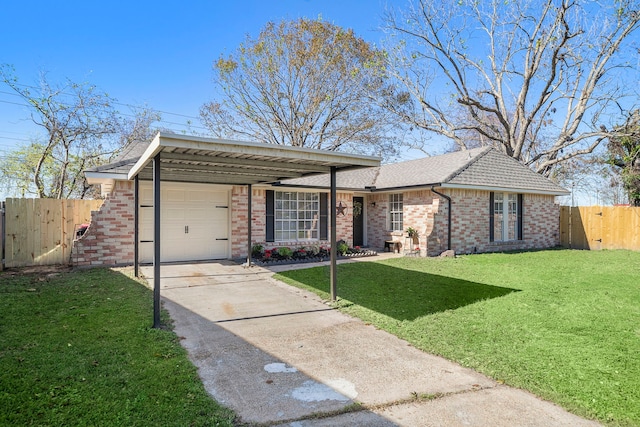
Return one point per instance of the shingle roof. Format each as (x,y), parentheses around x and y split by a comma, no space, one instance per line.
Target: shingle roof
(495,169)
(125,160)
(428,170)
(133,150)
(479,167)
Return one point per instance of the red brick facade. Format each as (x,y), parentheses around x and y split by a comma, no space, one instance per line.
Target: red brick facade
(109,238)
(470,230)
(427,213)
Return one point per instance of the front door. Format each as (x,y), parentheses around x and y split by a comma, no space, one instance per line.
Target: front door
(358,221)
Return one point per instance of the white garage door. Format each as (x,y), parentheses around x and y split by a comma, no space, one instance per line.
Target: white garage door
(194,222)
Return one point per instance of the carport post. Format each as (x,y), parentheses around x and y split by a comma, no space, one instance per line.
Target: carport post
(136,232)
(156,241)
(334,249)
(249,194)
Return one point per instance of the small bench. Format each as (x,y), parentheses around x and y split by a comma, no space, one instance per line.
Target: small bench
(392,246)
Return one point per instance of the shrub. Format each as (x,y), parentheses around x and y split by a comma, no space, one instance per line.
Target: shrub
(284,252)
(257,250)
(343,248)
(300,253)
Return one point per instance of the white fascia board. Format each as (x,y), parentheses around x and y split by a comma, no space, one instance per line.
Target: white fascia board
(416,188)
(101,177)
(505,189)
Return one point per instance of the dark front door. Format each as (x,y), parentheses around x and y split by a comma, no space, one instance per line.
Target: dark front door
(358,221)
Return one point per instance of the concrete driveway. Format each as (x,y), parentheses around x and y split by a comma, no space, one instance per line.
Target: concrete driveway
(278,355)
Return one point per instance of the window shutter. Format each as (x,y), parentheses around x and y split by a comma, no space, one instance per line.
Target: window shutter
(520,214)
(324,211)
(491,216)
(270,208)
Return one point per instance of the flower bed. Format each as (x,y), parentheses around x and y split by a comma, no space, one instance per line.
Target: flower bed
(286,255)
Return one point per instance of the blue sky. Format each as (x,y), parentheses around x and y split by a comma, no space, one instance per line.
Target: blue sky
(157,54)
(141,52)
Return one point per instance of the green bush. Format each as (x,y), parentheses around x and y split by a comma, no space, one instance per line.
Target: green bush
(285,253)
(343,248)
(257,251)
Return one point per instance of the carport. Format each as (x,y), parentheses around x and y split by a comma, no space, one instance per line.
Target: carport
(190,159)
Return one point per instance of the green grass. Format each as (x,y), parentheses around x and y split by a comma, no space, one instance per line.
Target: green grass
(563,324)
(77,349)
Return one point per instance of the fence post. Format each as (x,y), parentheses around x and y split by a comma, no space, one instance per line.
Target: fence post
(2,239)
(570,227)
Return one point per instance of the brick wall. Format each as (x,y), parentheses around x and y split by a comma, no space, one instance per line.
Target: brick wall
(427,213)
(376,220)
(421,211)
(470,220)
(470,230)
(239,223)
(239,226)
(344,223)
(109,238)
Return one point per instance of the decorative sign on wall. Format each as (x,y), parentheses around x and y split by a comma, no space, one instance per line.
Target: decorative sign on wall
(341,209)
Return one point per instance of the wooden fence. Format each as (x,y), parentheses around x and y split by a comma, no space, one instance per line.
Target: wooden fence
(41,231)
(600,227)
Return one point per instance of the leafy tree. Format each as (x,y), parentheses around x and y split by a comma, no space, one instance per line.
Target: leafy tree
(536,78)
(624,153)
(302,83)
(82,129)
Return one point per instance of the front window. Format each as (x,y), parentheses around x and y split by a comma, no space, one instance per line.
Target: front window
(505,217)
(395,212)
(296,216)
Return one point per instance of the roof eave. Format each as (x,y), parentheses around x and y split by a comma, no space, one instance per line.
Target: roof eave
(403,187)
(101,177)
(560,192)
(314,187)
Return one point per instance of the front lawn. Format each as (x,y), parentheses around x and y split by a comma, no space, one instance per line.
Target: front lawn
(77,349)
(563,324)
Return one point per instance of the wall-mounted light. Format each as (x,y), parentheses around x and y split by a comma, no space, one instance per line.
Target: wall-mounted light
(373,204)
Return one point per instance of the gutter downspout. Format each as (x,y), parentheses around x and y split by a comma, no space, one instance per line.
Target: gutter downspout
(448,216)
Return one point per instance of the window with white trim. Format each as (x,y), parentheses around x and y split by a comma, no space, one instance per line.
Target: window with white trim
(506,217)
(296,216)
(395,212)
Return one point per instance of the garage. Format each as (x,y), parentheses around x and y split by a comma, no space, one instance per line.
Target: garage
(194,222)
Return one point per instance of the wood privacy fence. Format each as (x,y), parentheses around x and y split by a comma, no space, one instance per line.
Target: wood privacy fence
(600,227)
(41,231)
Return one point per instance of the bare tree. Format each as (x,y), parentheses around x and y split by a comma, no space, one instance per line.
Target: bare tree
(538,78)
(82,129)
(623,152)
(301,83)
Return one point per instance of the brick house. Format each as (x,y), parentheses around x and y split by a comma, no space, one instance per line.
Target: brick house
(472,201)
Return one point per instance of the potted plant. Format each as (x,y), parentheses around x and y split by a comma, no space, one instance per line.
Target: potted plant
(413,233)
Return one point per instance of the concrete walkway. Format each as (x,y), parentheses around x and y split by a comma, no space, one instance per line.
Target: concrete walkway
(278,355)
